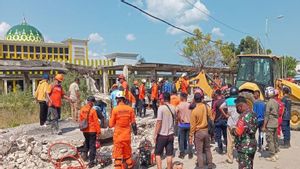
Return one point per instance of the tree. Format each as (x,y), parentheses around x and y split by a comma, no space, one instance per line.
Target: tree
(249,45)
(230,58)
(141,59)
(288,64)
(199,51)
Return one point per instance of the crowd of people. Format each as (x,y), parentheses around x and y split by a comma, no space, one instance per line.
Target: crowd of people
(231,120)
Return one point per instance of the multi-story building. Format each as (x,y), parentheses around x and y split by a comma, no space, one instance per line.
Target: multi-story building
(24,48)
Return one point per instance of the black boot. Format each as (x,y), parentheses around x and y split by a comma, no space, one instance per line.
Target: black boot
(84,156)
(285,144)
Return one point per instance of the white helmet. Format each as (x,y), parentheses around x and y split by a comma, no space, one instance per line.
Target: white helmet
(120,94)
(270,92)
(184,75)
(144,80)
(160,79)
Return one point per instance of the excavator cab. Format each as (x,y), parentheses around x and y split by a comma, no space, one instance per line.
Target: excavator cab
(256,72)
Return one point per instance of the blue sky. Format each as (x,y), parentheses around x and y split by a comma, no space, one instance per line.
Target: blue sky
(112,26)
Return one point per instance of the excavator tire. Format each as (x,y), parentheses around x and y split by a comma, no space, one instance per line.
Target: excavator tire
(295,117)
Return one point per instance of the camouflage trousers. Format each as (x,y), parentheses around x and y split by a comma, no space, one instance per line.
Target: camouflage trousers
(272,140)
(245,160)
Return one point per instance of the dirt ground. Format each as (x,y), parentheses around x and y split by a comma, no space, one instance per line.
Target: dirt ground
(288,158)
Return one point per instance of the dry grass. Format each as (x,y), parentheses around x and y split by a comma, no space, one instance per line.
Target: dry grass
(17,108)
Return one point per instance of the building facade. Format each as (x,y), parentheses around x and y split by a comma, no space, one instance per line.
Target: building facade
(23,48)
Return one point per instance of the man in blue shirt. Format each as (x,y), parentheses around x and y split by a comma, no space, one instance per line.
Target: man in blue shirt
(167,87)
(286,129)
(114,91)
(259,108)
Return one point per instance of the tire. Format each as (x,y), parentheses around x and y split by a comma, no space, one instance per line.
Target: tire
(295,117)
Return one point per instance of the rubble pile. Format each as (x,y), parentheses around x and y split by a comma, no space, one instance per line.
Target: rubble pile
(29,152)
(27,146)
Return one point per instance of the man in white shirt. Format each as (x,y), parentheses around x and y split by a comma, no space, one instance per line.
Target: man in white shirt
(75,98)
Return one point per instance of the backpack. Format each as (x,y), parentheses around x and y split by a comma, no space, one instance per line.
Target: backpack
(84,124)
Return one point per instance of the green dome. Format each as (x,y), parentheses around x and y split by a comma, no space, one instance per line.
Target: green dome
(24,32)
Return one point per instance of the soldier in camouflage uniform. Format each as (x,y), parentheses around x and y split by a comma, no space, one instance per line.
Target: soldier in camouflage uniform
(271,123)
(244,132)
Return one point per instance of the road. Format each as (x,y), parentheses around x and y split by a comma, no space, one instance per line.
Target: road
(288,158)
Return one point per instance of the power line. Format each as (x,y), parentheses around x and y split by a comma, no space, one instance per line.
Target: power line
(166,22)
(216,20)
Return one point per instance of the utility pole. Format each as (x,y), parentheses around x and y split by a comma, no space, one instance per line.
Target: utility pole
(257,46)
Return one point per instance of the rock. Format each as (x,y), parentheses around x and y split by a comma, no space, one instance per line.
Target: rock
(44,156)
(30,139)
(5,146)
(29,150)
(20,160)
(21,154)
(63,150)
(3,131)
(37,149)
(21,143)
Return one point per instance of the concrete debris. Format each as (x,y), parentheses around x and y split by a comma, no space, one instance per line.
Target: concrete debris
(30,150)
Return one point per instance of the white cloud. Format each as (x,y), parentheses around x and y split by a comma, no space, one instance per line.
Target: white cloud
(4,27)
(138,3)
(95,55)
(130,37)
(178,12)
(96,38)
(190,28)
(217,31)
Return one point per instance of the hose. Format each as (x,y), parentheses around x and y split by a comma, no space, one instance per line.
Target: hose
(58,162)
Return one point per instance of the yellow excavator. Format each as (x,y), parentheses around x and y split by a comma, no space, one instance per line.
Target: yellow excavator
(201,80)
(256,72)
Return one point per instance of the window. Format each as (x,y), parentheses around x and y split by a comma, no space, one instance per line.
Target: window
(11,48)
(18,48)
(31,49)
(4,48)
(25,48)
(61,50)
(66,51)
(55,50)
(43,49)
(37,49)
(255,69)
(49,50)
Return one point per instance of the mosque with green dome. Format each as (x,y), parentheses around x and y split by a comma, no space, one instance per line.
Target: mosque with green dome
(25,45)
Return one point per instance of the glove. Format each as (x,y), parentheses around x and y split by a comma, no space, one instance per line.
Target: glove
(134,128)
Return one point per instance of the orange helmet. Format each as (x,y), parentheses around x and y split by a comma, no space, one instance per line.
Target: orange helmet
(135,82)
(121,76)
(59,77)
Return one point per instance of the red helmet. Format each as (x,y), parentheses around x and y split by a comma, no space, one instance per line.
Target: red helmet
(121,76)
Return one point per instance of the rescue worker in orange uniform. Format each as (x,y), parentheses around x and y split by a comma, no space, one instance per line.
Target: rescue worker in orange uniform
(142,92)
(122,119)
(184,84)
(217,81)
(91,132)
(55,94)
(154,97)
(124,85)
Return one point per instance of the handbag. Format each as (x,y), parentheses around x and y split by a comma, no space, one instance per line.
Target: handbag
(84,124)
(210,123)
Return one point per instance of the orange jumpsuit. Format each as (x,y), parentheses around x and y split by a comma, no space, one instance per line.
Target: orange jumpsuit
(93,123)
(154,92)
(184,86)
(122,118)
(142,92)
